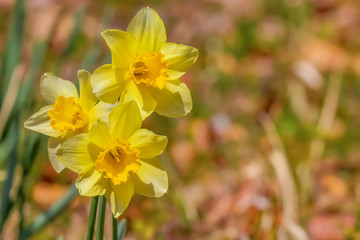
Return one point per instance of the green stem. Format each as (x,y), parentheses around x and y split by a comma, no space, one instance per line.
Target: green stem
(92,218)
(101,218)
(114,223)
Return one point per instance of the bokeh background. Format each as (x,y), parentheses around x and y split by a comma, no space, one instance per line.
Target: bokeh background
(270,150)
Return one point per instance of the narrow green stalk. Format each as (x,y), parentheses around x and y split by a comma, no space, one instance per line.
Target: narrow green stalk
(92,218)
(101,219)
(114,223)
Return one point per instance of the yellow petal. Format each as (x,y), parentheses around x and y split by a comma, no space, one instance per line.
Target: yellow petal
(149,30)
(151,180)
(91,183)
(101,112)
(107,83)
(40,122)
(174,100)
(141,95)
(179,58)
(122,46)
(148,143)
(119,197)
(124,120)
(53,145)
(78,152)
(87,97)
(52,87)
(99,134)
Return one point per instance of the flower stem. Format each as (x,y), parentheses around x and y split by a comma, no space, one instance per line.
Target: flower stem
(114,223)
(101,219)
(92,218)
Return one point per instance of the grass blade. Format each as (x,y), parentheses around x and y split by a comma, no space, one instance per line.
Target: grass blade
(11,57)
(45,218)
(122,225)
(6,202)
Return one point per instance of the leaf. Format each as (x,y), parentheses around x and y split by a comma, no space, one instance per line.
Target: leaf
(122,229)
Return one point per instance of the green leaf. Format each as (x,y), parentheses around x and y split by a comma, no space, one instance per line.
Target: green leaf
(45,218)
(11,57)
(7,143)
(121,229)
(6,202)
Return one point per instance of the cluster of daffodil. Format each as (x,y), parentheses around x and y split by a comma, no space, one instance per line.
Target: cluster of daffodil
(98,134)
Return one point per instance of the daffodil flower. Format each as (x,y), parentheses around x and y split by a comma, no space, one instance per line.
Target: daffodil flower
(145,68)
(117,160)
(66,114)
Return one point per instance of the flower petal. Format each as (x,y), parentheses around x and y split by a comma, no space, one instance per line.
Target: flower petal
(40,122)
(141,95)
(52,87)
(78,152)
(124,120)
(107,83)
(90,182)
(87,97)
(99,134)
(174,100)
(122,46)
(119,197)
(179,58)
(151,179)
(101,112)
(148,143)
(53,145)
(149,30)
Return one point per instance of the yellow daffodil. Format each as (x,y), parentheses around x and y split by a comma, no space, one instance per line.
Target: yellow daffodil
(117,160)
(145,68)
(67,114)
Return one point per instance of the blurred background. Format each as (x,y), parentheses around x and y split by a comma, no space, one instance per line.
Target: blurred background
(269,151)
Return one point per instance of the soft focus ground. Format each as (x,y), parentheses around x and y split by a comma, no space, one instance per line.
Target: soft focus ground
(271,149)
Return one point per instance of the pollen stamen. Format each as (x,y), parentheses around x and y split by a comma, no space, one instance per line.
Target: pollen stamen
(150,70)
(117,161)
(67,115)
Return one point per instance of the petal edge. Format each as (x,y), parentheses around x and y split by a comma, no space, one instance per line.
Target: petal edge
(151,179)
(149,30)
